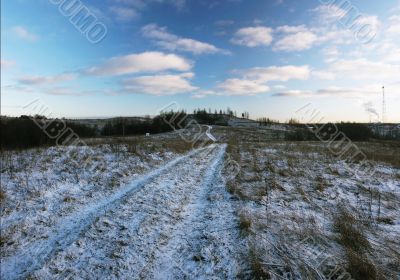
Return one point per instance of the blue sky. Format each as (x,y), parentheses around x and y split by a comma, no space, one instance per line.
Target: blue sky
(269,58)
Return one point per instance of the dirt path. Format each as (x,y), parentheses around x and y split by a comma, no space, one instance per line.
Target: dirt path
(175,222)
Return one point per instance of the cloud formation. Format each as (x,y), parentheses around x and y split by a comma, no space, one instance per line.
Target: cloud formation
(254,81)
(124,13)
(22,33)
(149,62)
(278,73)
(159,84)
(126,10)
(7,63)
(46,80)
(172,42)
(363,69)
(253,36)
(298,41)
(242,87)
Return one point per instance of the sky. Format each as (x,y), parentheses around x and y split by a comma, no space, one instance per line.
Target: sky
(266,57)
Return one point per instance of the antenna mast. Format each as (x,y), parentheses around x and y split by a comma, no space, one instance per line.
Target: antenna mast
(383,105)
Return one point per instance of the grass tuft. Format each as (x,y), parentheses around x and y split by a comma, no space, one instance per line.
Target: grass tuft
(360,267)
(350,234)
(2,196)
(244,222)
(258,269)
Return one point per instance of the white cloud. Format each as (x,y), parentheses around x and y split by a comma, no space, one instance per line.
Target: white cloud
(329,13)
(292,29)
(365,92)
(298,41)
(349,92)
(294,93)
(301,37)
(23,33)
(173,42)
(331,54)
(242,87)
(323,75)
(253,36)
(278,73)
(149,62)
(363,69)
(160,84)
(203,93)
(334,36)
(46,80)
(254,81)
(330,91)
(68,92)
(394,26)
(7,63)
(124,13)
(125,10)
(366,25)
(345,24)
(392,56)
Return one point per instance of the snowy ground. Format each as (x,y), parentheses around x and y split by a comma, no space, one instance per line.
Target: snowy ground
(304,215)
(157,209)
(86,228)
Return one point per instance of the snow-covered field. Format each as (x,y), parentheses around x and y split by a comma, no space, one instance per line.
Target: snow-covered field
(153,208)
(305,216)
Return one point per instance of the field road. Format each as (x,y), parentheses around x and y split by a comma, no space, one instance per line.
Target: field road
(176,222)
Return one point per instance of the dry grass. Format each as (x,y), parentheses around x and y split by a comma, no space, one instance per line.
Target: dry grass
(387,152)
(356,246)
(273,184)
(301,191)
(2,196)
(284,165)
(244,222)
(360,267)
(68,199)
(385,220)
(3,240)
(321,184)
(350,232)
(140,145)
(258,269)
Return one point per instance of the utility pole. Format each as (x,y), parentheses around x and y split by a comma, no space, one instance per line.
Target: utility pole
(383,104)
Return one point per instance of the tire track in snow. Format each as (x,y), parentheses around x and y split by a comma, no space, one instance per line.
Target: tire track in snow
(34,256)
(122,242)
(206,244)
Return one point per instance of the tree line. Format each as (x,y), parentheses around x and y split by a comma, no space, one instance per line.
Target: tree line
(22,132)
(331,131)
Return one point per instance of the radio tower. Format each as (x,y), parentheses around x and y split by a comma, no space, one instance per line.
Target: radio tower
(383,105)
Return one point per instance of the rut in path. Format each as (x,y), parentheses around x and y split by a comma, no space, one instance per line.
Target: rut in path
(206,244)
(180,225)
(175,222)
(34,256)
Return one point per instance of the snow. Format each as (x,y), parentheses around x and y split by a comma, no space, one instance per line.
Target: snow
(162,215)
(312,187)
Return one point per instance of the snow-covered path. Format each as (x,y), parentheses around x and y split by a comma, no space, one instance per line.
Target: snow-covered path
(174,222)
